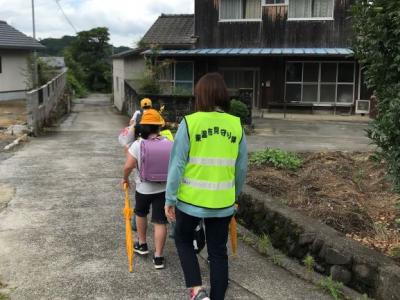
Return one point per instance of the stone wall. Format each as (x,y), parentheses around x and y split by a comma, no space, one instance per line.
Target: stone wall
(357,266)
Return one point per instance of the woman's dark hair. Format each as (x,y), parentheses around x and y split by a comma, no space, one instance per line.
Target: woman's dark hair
(146,130)
(211,92)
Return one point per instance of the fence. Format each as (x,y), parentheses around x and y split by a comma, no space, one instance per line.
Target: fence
(42,101)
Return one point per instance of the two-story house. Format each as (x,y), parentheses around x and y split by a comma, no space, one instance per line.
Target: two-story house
(294,53)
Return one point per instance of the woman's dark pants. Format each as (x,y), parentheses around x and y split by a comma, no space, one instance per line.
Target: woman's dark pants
(216,239)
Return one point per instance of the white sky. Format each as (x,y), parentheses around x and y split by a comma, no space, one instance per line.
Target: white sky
(127,20)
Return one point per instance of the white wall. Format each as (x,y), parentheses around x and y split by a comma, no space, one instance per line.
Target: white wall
(14,66)
(125,68)
(118,83)
(134,67)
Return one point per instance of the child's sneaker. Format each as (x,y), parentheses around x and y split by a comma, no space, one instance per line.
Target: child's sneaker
(158,262)
(141,249)
(201,295)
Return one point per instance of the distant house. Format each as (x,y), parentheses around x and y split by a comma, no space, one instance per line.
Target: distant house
(168,32)
(272,53)
(15,48)
(56,62)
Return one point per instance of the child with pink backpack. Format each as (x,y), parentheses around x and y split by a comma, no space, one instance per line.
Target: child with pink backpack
(148,157)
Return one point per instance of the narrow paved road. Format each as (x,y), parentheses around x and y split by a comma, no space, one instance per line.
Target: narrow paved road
(62,233)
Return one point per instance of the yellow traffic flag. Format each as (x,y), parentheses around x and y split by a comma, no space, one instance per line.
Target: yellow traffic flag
(233,235)
(128,213)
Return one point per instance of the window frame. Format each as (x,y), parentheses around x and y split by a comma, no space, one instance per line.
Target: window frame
(173,78)
(320,83)
(313,18)
(285,3)
(256,76)
(241,12)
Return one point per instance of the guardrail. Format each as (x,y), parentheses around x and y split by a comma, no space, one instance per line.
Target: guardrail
(41,102)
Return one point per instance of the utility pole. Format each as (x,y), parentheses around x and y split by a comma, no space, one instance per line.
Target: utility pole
(35,64)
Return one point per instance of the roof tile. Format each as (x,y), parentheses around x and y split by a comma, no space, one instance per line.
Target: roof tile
(11,38)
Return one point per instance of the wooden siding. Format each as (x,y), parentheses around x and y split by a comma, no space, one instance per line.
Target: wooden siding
(275,31)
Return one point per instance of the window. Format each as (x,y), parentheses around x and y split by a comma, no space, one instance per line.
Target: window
(117,83)
(1,70)
(311,9)
(177,77)
(320,82)
(235,10)
(274,2)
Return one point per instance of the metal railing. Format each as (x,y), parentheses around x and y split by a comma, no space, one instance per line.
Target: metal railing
(40,102)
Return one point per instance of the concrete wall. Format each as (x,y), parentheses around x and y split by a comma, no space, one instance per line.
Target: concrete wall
(125,68)
(13,70)
(118,80)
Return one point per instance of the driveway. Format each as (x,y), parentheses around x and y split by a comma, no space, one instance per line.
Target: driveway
(309,135)
(62,232)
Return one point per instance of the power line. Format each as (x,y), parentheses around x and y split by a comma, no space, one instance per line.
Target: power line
(65,15)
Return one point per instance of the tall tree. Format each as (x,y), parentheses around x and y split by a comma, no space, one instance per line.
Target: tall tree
(377,46)
(88,56)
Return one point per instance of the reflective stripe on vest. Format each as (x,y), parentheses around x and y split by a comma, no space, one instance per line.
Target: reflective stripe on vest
(213,186)
(212,161)
(209,176)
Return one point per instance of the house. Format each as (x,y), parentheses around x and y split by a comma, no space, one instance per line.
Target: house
(272,53)
(169,32)
(15,49)
(55,62)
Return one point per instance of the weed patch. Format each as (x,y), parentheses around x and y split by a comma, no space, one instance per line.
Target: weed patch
(276,158)
(334,288)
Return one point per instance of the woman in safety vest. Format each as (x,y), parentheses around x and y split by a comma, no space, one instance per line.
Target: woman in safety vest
(206,173)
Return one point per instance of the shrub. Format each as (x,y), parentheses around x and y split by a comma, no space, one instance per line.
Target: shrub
(239,109)
(276,158)
(149,85)
(75,85)
(376,44)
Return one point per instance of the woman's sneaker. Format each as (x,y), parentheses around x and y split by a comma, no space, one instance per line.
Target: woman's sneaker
(141,249)
(201,295)
(158,262)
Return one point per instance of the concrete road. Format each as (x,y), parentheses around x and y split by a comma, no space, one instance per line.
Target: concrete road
(309,134)
(62,233)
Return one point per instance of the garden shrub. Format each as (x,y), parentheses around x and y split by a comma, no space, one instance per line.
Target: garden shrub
(239,109)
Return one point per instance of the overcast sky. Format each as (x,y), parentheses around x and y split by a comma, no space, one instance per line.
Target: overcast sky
(127,20)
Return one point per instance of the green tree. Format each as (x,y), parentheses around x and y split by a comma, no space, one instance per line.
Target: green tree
(88,57)
(377,47)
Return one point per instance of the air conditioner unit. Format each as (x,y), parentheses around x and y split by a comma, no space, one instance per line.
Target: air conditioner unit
(362,106)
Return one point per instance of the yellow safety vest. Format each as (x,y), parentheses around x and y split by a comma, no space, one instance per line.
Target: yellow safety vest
(209,177)
(168,134)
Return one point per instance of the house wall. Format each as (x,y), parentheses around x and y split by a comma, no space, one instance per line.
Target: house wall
(130,67)
(270,70)
(118,83)
(274,31)
(13,74)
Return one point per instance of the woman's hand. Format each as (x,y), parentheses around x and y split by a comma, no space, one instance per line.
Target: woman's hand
(170,212)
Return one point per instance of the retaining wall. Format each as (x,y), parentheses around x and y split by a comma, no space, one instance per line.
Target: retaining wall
(297,235)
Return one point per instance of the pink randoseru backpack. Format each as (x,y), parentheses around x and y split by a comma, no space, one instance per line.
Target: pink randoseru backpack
(154,159)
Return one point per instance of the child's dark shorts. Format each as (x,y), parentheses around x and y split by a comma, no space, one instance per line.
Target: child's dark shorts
(157,202)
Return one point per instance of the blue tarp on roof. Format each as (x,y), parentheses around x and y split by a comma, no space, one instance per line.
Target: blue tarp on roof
(258,52)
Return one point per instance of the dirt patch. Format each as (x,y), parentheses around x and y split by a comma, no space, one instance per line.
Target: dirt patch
(12,112)
(347,191)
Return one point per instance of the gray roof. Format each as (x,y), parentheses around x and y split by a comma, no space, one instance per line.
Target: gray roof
(334,52)
(11,38)
(171,30)
(130,52)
